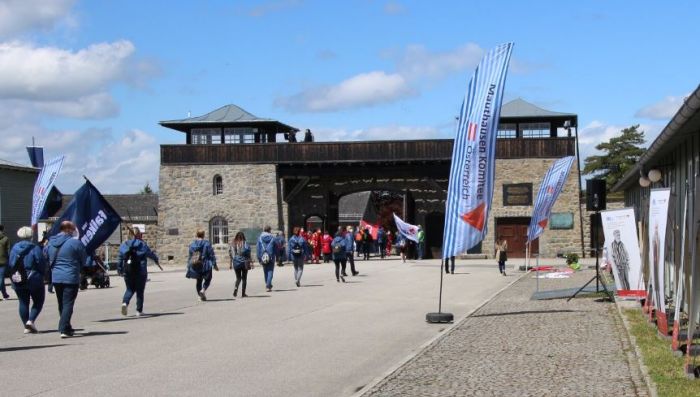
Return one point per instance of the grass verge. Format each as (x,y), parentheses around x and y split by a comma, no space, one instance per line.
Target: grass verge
(666,370)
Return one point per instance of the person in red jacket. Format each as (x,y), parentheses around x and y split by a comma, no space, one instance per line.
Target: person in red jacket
(326,245)
(389,241)
(318,241)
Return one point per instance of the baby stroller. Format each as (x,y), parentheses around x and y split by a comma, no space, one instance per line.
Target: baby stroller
(97,273)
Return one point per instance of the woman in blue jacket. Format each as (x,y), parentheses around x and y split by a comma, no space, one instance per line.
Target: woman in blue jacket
(296,247)
(132,264)
(266,253)
(200,262)
(32,288)
(339,255)
(239,251)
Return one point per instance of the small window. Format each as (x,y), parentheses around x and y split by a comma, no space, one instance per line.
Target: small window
(206,136)
(507,130)
(535,130)
(241,135)
(218,230)
(218,185)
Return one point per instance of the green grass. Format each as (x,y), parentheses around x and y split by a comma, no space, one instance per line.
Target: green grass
(666,370)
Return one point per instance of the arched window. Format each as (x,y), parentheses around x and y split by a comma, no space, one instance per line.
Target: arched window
(218,185)
(218,230)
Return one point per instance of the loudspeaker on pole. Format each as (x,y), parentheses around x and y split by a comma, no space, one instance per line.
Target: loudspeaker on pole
(595,195)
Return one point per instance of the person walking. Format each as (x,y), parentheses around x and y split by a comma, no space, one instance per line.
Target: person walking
(239,251)
(501,255)
(27,276)
(366,243)
(381,242)
(317,238)
(132,263)
(421,242)
(326,247)
(339,256)
(296,248)
(349,244)
(4,256)
(200,262)
(402,245)
(67,257)
(281,246)
(447,261)
(266,255)
(389,242)
(359,237)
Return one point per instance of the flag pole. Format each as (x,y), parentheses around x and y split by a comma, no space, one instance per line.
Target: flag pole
(440,317)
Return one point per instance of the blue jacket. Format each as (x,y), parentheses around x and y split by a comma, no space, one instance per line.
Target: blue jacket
(349,243)
(142,250)
(339,240)
(294,240)
(208,257)
(34,260)
(239,259)
(266,242)
(71,258)
(381,236)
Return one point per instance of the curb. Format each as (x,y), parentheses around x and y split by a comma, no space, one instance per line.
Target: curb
(425,346)
(651,386)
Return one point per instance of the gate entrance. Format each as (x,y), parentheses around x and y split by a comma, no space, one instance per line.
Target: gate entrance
(514,230)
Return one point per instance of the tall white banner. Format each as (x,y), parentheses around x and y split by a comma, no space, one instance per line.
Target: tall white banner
(43,185)
(622,245)
(658,216)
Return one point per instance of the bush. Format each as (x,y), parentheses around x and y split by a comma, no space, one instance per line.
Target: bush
(571,258)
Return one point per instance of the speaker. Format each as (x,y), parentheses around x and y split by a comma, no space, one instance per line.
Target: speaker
(595,194)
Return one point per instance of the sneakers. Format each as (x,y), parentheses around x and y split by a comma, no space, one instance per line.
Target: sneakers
(298,284)
(244,295)
(124,309)
(202,295)
(344,275)
(139,314)
(67,334)
(235,292)
(355,273)
(342,278)
(29,328)
(269,290)
(504,273)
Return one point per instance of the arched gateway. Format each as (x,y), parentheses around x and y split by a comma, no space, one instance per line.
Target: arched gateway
(282,184)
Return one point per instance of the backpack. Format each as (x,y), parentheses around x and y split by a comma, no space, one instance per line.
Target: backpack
(265,259)
(198,264)
(296,247)
(19,276)
(132,261)
(338,247)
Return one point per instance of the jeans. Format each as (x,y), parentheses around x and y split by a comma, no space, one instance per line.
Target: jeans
(65,295)
(298,267)
(338,263)
(241,275)
(203,281)
(34,291)
(351,259)
(268,271)
(365,250)
(501,266)
(135,284)
(3,291)
(421,249)
(382,249)
(447,261)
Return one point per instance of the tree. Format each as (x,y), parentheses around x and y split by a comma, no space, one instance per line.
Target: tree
(621,154)
(146,189)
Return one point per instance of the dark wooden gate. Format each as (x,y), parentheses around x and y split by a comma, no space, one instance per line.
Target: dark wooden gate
(514,230)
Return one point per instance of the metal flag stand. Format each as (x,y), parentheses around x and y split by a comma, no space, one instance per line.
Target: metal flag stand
(440,317)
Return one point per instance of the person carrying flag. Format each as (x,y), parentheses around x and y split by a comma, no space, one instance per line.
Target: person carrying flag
(132,264)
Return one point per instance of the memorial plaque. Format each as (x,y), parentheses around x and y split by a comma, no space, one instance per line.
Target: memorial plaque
(561,220)
(517,194)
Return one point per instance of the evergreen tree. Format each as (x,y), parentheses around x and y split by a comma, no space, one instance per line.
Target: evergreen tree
(621,154)
(146,189)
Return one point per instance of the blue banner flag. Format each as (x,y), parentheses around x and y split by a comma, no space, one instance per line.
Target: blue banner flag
(42,186)
(92,215)
(470,189)
(551,186)
(36,156)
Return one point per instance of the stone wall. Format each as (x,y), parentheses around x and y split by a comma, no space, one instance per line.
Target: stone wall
(552,242)
(187,203)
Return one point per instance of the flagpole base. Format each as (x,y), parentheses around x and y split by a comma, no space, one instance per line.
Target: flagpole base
(440,317)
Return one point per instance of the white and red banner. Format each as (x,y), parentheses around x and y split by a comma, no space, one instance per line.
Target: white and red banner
(658,216)
(373,228)
(406,229)
(551,186)
(622,246)
(43,185)
(470,189)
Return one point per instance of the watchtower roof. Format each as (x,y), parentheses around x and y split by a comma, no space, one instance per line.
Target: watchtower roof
(519,108)
(229,115)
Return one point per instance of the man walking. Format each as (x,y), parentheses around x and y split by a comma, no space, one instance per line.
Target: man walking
(67,257)
(421,242)
(133,259)
(349,248)
(4,255)
(381,242)
(266,255)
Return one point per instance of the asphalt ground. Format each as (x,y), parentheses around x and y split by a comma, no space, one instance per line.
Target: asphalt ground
(323,339)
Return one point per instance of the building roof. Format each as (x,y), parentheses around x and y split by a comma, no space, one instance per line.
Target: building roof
(131,207)
(225,115)
(16,166)
(519,108)
(686,121)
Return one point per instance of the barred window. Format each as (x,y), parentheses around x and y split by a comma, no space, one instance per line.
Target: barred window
(218,230)
(242,135)
(218,185)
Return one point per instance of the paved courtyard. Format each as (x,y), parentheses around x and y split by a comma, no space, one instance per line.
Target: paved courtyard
(324,339)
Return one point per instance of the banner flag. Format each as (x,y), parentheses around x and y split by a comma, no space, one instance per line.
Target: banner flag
(658,216)
(43,185)
(406,229)
(373,228)
(550,188)
(470,189)
(93,216)
(36,156)
(622,246)
(54,202)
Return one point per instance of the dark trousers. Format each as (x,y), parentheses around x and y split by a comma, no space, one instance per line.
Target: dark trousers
(35,292)
(338,264)
(298,267)
(447,261)
(351,259)
(65,295)
(326,258)
(203,281)
(382,249)
(135,284)
(501,266)
(3,268)
(365,250)
(241,276)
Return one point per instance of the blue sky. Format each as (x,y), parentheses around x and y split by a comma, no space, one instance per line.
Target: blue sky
(91,79)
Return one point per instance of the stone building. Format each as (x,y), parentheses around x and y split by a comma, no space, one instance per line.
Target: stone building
(234,174)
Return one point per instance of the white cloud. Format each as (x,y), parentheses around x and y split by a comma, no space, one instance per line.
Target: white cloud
(596,132)
(388,132)
(366,89)
(50,73)
(662,110)
(418,62)
(18,16)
